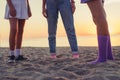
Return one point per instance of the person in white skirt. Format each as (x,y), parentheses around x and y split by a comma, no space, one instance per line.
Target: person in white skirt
(17,11)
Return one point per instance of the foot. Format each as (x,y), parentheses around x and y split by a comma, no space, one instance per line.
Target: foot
(11,59)
(20,58)
(75,56)
(110,58)
(53,56)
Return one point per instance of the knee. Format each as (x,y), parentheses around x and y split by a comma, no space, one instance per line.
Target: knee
(20,31)
(13,30)
(71,31)
(100,21)
(52,37)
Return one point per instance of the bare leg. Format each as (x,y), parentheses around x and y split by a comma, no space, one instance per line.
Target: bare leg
(13,31)
(99,17)
(19,57)
(21,23)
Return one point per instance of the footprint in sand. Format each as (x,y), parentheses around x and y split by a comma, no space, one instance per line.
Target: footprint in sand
(77,71)
(95,78)
(8,78)
(81,72)
(55,78)
(113,77)
(68,75)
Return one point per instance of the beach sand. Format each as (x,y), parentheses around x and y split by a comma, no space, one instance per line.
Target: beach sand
(40,67)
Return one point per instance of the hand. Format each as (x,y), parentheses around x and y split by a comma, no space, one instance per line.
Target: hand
(73,7)
(12,12)
(29,13)
(44,12)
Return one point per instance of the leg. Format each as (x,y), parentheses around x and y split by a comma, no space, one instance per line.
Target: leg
(21,24)
(99,18)
(12,38)
(67,17)
(13,32)
(109,50)
(52,13)
(19,57)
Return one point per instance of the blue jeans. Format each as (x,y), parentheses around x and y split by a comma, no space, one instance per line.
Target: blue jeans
(64,7)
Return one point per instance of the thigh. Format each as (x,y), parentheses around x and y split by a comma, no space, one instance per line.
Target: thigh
(13,23)
(21,23)
(65,8)
(96,8)
(52,12)
(66,13)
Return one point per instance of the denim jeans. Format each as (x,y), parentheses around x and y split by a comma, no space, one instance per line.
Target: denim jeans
(64,7)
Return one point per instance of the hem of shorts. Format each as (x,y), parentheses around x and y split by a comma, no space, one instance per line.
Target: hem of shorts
(18,18)
(85,1)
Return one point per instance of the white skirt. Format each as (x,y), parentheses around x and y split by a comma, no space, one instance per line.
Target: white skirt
(21,8)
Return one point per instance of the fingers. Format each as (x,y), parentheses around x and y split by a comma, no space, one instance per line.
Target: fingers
(13,12)
(73,7)
(29,14)
(44,13)
(73,10)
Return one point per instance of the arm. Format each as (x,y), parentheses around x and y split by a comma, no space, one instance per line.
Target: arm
(72,1)
(73,6)
(44,12)
(12,8)
(29,10)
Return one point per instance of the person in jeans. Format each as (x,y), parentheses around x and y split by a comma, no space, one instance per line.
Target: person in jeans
(51,8)
(99,18)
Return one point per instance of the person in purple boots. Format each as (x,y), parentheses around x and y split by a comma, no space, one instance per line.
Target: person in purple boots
(99,18)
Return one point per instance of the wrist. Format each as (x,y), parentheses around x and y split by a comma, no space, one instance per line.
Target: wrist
(72,1)
(12,9)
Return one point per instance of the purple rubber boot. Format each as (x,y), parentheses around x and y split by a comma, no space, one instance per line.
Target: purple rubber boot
(109,50)
(102,53)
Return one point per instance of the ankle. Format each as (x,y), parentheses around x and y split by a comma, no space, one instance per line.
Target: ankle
(53,55)
(75,56)
(17,52)
(11,52)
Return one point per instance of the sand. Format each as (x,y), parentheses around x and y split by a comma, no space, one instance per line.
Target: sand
(40,67)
